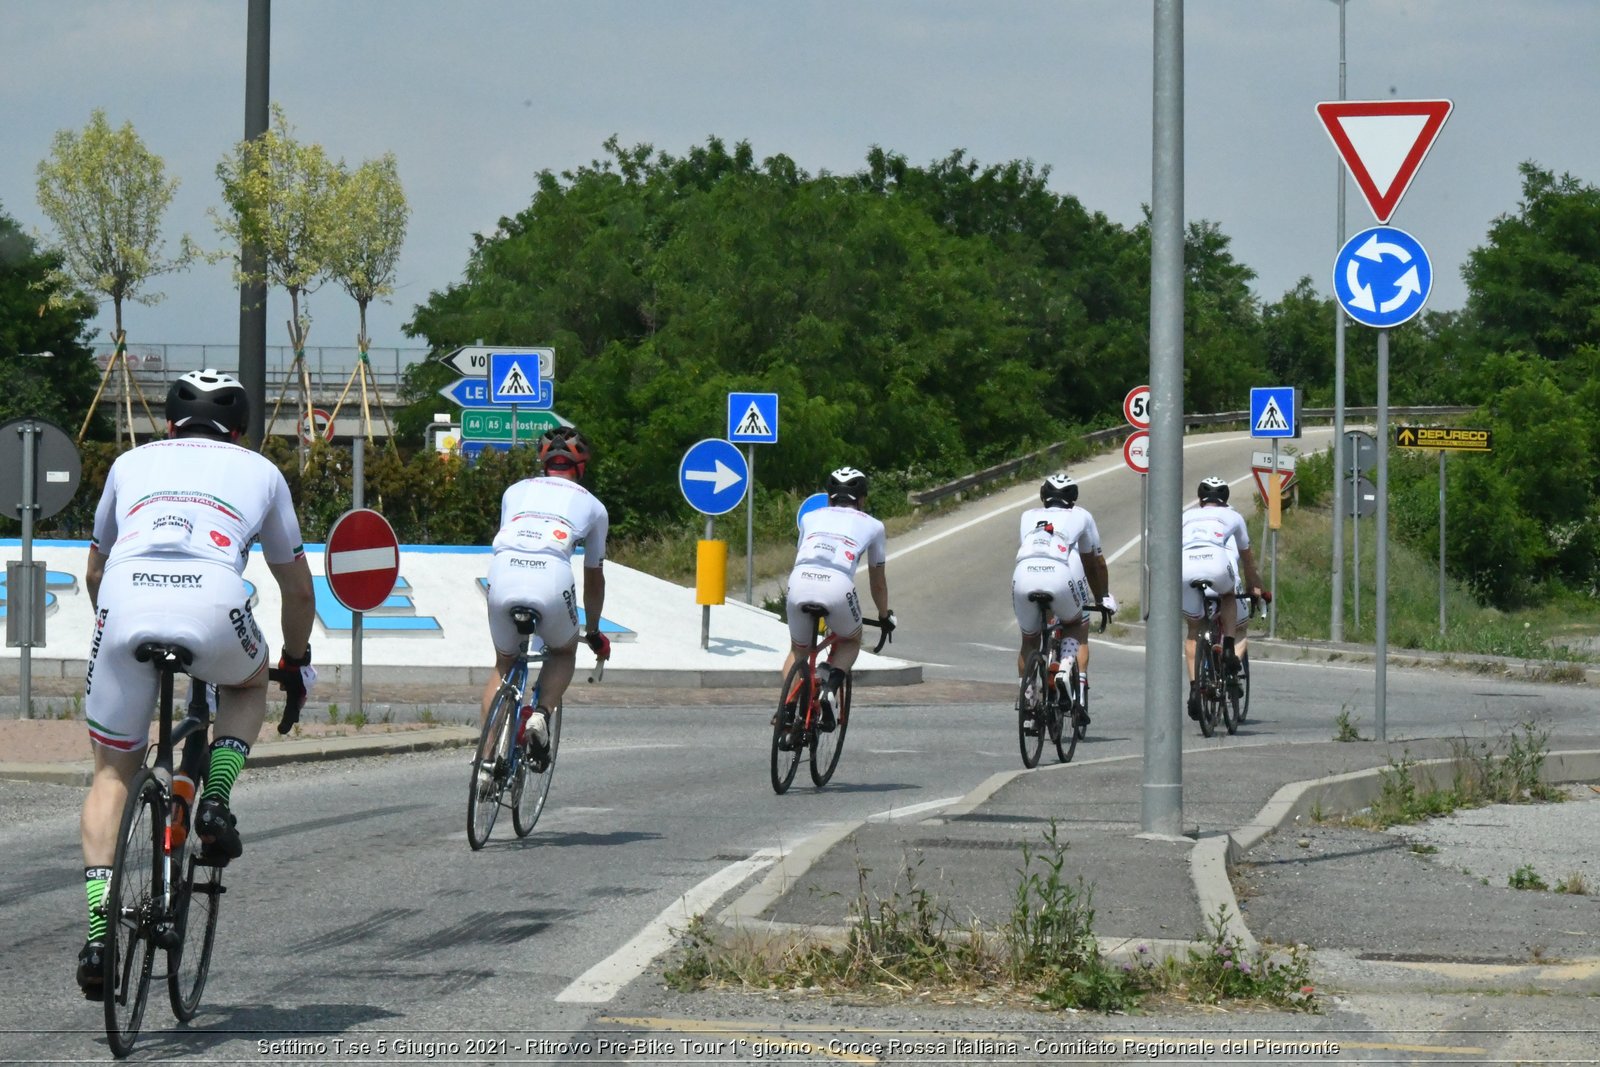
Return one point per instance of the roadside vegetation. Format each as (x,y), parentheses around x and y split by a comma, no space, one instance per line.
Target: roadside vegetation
(910,945)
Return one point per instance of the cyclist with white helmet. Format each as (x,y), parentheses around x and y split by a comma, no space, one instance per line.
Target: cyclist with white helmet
(172,534)
(1209,530)
(1059,554)
(542,519)
(833,541)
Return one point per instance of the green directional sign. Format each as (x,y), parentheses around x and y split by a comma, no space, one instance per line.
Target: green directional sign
(494,424)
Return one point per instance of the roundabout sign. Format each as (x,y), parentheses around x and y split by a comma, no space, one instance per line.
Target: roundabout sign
(1382,277)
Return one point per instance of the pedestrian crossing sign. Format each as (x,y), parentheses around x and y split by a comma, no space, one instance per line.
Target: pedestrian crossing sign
(753,418)
(1275,411)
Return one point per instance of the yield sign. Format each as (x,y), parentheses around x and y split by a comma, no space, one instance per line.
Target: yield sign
(1383,143)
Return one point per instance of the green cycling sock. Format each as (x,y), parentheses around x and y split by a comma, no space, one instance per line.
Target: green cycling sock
(227,760)
(95,881)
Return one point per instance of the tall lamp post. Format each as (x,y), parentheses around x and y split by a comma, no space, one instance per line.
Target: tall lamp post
(1336,622)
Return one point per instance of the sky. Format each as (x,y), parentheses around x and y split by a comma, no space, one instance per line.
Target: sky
(476,97)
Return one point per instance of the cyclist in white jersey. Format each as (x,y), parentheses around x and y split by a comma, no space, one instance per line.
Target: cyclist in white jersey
(1059,554)
(833,541)
(172,533)
(542,519)
(1208,530)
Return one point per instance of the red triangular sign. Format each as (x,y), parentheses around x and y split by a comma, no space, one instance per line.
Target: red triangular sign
(1383,143)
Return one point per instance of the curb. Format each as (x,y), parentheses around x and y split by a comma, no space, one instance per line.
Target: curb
(273,753)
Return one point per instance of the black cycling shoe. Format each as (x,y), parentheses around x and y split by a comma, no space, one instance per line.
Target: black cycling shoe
(91,969)
(213,819)
(1194,703)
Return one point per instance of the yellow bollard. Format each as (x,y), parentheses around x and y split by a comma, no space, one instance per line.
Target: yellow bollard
(711,573)
(1275,500)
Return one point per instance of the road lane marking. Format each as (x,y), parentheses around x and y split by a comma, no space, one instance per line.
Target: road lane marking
(605,979)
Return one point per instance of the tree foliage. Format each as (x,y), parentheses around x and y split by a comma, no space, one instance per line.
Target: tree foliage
(46,367)
(106,193)
(370,213)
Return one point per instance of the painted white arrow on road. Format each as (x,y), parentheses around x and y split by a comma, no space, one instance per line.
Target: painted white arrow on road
(722,478)
(1409,286)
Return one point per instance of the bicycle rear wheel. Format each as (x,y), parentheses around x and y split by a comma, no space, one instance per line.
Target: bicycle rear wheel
(1228,704)
(1031,710)
(490,767)
(1206,673)
(1064,728)
(1244,680)
(794,712)
(132,910)
(826,745)
(189,962)
(532,786)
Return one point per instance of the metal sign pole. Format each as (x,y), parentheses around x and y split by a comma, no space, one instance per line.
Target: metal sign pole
(1441,542)
(1381,576)
(705,609)
(30,460)
(750,530)
(1275,484)
(358,497)
(1355,539)
(1144,541)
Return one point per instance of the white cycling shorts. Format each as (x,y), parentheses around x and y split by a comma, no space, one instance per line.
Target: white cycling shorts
(1063,579)
(1212,563)
(201,605)
(543,583)
(834,590)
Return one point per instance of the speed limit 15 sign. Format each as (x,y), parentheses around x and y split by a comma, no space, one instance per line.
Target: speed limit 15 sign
(1136,407)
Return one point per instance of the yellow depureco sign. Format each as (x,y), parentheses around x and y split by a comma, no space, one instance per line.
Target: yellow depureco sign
(1452,438)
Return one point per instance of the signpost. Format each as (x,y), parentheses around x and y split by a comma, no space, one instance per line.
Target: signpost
(1443,439)
(1362,448)
(494,424)
(361,562)
(752,420)
(467,392)
(472,361)
(713,478)
(1382,277)
(1274,414)
(1136,454)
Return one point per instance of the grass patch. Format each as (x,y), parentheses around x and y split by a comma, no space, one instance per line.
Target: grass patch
(1344,727)
(1506,772)
(1575,884)
(1046,954)
(1525,877)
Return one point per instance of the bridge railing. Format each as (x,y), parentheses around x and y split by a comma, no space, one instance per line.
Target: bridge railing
(154,366)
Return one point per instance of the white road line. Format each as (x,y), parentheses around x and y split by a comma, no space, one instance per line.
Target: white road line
(605,979)
(911,809)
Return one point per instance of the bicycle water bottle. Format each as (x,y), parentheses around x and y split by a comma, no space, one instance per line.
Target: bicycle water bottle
(182,805)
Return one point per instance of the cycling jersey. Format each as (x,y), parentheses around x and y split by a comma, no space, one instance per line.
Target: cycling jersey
(1214,525)
(832,542)
(1071,529)
(1212,539)
(542,519)
(174,564)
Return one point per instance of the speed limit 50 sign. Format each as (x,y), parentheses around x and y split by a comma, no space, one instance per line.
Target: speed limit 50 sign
(1136,407)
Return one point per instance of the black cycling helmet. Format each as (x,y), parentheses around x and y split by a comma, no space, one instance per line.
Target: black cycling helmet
(1058,491)
(1214,490)
(208,401)
(563,448)
(846,486)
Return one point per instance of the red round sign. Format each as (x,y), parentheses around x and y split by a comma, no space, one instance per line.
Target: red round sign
(1136,452)
(362,561)
(1136,407)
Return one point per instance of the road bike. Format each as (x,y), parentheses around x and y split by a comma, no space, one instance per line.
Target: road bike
(161,896)
(509,758)
(803,725)
(1221,687)
(1052,699)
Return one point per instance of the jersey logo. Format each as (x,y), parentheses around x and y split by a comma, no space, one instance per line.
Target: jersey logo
(559,535)
(220,539)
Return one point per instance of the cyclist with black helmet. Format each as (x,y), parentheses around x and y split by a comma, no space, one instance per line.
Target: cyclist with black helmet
(1059,554)
(172,534)
(1212,530)
(833,541)
(542,519)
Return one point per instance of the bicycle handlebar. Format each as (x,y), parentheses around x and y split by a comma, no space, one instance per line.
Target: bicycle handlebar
(887,625)
(296,701)
(1105,615)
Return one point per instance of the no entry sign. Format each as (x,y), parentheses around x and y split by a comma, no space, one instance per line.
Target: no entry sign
(363,559)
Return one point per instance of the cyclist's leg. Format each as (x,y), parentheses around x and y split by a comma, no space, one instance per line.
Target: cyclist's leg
(844,619)
(1030,615)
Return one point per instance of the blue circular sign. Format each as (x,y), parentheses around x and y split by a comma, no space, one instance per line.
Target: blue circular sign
(810,504)
(713,476)
(1382,277)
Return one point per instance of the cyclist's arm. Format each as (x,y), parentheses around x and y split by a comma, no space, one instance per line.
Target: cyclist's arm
(299,603)
(878,584)
(1252,577)
(594,596)
(93,571)
(1094,568)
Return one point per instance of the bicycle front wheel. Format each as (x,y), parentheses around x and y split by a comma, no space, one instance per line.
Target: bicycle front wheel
(532,786)
(490,767)
(1244,680)
(1064,728)
(789,730)
(1031,710)
(133,907)
(189,962)
(1205,668)
(826,745)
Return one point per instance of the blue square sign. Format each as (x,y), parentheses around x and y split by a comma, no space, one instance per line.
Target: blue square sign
(1274,412)
(753,418)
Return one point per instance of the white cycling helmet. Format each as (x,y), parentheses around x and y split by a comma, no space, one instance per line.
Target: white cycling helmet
(1214,489)
(1058,490)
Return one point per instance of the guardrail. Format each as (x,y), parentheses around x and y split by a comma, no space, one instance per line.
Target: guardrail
(329,366)
(1001,471)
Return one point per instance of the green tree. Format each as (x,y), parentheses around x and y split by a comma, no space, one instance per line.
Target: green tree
(46,367)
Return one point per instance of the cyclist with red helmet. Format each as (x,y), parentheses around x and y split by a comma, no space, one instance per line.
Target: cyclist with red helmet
(172,534)
(833,541)
(542,520)
(1211,530)
(1059,554)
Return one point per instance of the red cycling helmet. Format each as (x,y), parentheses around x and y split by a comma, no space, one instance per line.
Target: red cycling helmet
(563,448)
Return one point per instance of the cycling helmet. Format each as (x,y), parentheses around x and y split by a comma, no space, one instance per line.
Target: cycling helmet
(846,485)
(208,401)
(563,448)
(1214,489)
(1059,491)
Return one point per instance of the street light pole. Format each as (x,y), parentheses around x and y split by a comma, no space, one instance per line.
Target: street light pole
(1336,622)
